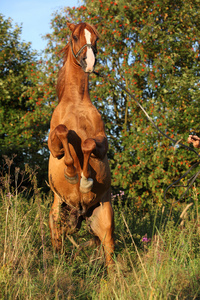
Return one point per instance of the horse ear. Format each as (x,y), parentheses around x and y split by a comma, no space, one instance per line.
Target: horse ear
(71,26)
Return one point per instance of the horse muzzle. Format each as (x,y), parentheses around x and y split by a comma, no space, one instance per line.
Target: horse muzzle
(87,68)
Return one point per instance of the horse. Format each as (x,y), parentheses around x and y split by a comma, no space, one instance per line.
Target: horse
(79,172)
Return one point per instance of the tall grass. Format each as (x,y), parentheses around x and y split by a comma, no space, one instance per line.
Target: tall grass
(156,257)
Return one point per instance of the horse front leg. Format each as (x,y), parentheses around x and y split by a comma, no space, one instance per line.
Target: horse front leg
(59,146)
(98,147)
(86,183)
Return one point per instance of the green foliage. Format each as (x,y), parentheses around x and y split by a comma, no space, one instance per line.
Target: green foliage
(24,112)
(152,48)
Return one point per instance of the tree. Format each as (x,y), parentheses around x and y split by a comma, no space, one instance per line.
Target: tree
(24,112)
(152,47)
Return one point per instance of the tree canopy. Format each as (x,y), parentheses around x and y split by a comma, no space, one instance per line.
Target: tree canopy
(24,113)
(152,48)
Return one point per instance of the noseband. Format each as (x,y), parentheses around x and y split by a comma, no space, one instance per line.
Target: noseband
(81,50)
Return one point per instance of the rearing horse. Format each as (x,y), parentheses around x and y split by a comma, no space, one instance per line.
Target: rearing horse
(79,173)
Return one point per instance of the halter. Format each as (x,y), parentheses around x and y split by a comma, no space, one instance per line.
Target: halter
(81,50)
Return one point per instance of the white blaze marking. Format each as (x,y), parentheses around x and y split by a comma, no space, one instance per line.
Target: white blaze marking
(90,60)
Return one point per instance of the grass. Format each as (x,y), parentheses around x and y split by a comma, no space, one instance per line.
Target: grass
(156,257)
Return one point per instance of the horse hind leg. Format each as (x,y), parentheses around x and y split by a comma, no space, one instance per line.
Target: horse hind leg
(54,224)
(58,144)
(86,183)
(102,224)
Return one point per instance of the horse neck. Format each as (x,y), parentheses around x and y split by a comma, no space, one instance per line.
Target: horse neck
(76,84)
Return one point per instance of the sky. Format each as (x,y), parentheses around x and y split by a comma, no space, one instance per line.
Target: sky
(34,16)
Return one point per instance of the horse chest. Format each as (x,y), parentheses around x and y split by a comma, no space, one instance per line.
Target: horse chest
(89,120)
(85,124)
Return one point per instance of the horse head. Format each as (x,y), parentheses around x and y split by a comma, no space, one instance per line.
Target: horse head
(83,45)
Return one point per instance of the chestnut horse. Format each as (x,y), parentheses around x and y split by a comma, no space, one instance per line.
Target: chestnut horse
(79,173)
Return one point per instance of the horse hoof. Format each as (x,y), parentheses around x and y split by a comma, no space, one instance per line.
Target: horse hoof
(73,179)
(86,184)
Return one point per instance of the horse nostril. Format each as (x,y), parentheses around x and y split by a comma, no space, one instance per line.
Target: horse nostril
(84,60)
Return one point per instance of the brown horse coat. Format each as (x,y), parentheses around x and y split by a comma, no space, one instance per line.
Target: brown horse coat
(79,173)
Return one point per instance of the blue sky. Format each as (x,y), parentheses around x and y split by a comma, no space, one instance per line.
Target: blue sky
(35,16)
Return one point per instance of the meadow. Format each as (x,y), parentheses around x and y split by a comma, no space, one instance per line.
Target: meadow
(156,256)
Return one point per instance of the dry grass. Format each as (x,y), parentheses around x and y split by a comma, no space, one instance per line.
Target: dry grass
(164,266)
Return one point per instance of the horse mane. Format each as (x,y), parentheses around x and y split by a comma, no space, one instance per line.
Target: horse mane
(61,74)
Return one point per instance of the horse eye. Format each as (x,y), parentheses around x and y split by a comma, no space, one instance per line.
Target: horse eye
(75,38)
